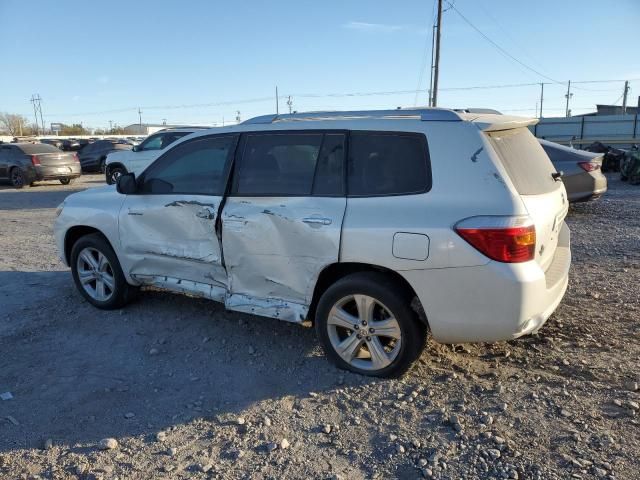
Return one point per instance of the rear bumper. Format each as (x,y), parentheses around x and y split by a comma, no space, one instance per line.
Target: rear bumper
(56,172)
(492,302)
(585,186)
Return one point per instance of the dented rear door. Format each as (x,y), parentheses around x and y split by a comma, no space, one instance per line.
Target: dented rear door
(168,231)
(281,224)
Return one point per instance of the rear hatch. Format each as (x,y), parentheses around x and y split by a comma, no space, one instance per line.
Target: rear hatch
(530,171)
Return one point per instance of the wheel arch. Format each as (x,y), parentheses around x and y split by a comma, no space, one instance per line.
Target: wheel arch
(74,234)
(336,271)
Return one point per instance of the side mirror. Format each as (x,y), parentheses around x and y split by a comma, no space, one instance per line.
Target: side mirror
(135,148)
(126,184)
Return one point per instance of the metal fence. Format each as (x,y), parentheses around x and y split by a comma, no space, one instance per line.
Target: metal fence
(616,130)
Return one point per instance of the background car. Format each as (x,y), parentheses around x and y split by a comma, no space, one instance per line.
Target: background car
(94,155)
(582,175)
(52,141)
(142,155)
(24,163)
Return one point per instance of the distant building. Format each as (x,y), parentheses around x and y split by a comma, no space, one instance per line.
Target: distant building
(611,110)
(148,128)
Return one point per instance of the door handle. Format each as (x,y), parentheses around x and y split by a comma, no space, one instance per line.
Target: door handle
(317,221)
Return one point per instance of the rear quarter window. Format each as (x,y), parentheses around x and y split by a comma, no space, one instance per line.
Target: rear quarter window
(525,161)
(36,148)
(393,163)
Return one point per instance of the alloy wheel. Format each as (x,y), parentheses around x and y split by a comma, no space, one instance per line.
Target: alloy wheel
(364,332)
(95,274)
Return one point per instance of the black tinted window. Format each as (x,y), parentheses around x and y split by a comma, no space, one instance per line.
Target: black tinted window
(35,148)
(169,138)
(196,167)
(388,164)
(278,163)
(329,178)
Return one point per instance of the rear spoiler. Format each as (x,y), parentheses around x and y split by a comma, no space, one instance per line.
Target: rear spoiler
(494,123)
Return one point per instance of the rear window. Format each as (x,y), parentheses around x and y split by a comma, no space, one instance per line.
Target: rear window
(388,164)
(527,164)
(36,148)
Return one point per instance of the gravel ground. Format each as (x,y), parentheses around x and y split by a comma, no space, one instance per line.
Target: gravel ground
(184,389)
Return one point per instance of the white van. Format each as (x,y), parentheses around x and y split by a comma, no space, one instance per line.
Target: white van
(375,226)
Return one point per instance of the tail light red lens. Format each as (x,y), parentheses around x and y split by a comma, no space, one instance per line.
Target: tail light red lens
(589,166)
(76,158)
(35,160)
(504,239)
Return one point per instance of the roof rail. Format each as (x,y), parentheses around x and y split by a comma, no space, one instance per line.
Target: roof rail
(477,110)
(424,114)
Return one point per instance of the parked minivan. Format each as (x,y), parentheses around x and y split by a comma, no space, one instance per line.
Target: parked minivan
(374,226)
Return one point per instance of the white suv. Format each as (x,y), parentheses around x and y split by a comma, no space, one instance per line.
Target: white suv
(375,226)
(143,154)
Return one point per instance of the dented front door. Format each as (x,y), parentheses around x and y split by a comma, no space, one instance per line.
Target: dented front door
(282,223)
(168,230)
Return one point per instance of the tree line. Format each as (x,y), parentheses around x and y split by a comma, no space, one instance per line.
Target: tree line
(19,126)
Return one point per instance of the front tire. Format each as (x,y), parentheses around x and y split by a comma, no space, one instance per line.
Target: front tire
(17,178)
(366,325)
(66,181)
(97,273)
(113,174)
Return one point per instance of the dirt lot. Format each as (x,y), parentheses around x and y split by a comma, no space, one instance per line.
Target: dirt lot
(191,391)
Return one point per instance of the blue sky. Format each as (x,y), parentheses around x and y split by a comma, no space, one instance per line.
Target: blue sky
(94,64)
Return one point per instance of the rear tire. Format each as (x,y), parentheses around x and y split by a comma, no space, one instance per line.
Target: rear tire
(97,273)
(17,177)
(351,317)
(66,181)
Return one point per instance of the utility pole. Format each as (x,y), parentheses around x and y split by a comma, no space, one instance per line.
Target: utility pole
(140,118)
(164,121)
(110,125)
(290,103)
(433,39)
(624,97)
(541,97)
(568,96)
(277,102)
(37,108)
(238,116)
(436,70)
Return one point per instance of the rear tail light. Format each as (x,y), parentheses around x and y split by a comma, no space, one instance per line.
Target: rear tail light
(589,166)
(35,160)
(76,158)
(504,239)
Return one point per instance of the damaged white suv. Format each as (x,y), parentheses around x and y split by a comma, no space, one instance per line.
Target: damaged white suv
(375,226)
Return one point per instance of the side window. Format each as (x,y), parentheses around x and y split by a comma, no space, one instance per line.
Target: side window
(154,142)
(383,163)
(277,163)
(196,167)
(329,178)
(169,138)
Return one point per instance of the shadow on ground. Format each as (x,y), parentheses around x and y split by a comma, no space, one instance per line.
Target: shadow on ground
(75,372)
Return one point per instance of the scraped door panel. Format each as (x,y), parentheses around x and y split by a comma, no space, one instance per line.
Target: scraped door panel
(170,241)
(168,228)
(274,249)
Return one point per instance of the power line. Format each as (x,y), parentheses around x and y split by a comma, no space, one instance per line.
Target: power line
(318,95)
(504,52)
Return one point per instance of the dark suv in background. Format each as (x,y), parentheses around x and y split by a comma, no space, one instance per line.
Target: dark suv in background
(94,155)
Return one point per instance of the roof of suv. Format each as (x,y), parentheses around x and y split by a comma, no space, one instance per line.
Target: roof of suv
(485,120)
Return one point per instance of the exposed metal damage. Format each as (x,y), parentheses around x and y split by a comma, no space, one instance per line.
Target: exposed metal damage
(474,157)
